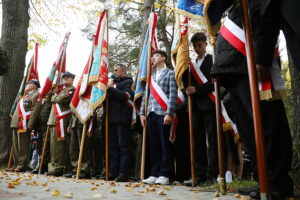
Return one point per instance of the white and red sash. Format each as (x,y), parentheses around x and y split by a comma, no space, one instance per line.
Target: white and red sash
(23,116)
(60,116)
(163,100)
(272,87)
(201,79)
(159,94)
(180,97)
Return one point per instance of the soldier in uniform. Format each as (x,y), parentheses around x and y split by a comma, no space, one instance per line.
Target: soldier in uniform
(42,129)
(58,121)
(75,128)
(22,123)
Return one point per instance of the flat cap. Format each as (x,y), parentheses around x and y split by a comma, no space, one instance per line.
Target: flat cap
(68,74)
(35,82)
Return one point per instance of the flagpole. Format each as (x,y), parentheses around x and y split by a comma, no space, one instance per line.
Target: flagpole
(144,135)
(220,138)
(192,143)
(10,157)
(259,139)
(44,150)
(81,151)
(149,71)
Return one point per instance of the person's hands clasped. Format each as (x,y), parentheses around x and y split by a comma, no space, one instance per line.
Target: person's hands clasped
(168,119)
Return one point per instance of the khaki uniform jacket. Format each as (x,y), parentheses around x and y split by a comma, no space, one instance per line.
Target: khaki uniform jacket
(30,103)
(63,99)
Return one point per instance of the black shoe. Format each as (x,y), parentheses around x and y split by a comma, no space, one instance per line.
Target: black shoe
(55,173)
(247,191)
(122,178)
(69,175)
(84,175)
(274,195)
(35,171)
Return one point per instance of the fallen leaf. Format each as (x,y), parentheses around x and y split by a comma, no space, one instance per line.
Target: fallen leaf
(68,195)
(245,198)
(55,193)
(113,184)
(237,196)
(167,188)
(113,191)
(140,191)
(93,188)
(46,189)
(15,182)
(11,186)
(45,184)
(21,193)
(97,196)
(162,193)
(150,189)
(217,198)
(136,185)
(129,189)
(196,191)
(217,194)
(128,185)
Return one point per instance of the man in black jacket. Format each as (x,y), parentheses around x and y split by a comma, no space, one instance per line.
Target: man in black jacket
(120,117)
(230,68)
(204,115)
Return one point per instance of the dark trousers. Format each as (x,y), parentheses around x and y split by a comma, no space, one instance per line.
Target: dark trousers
(206,153)
(277,137)
(119,152)
(182,148)
(159,145)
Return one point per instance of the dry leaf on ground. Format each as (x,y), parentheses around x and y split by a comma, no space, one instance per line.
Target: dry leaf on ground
(46,189)
(68,195)
(11,186)
(55,193)
(162,193)
(113,191)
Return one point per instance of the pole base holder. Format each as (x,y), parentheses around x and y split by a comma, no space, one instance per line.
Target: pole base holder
(222,186)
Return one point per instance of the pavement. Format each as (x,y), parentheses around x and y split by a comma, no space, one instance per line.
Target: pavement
(26,186)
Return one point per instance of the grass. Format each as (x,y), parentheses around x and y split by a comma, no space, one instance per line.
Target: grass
(231,187)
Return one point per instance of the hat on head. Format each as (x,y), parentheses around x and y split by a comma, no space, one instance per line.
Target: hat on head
(68,74)
(35,82)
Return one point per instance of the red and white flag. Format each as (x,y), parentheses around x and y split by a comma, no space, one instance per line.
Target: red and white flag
(58,68)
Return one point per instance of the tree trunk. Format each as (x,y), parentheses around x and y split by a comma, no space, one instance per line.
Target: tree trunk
(15,22)
(295,85)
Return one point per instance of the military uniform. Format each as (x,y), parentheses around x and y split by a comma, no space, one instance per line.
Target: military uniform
(58,125)
(42,129)
(21,137)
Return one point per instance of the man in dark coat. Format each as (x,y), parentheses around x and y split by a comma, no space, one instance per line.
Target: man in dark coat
(120,110)
(204,115)
(230,68)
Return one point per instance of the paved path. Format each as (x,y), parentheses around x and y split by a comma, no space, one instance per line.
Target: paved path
(25,186)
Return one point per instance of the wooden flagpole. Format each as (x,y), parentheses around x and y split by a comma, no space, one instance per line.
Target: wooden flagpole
(44,150)
(259,140)
(10,157)
(220,138)
(81,151)
(142,176)
(191,131)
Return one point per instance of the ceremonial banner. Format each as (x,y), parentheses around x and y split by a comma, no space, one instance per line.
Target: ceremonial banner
(180,50)
(58,67)
(191,8)
(150,44)
(80,104)
(212,12)
(30,72)
(98,76)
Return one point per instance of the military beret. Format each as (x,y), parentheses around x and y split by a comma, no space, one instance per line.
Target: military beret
(35,82)
(68,74)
